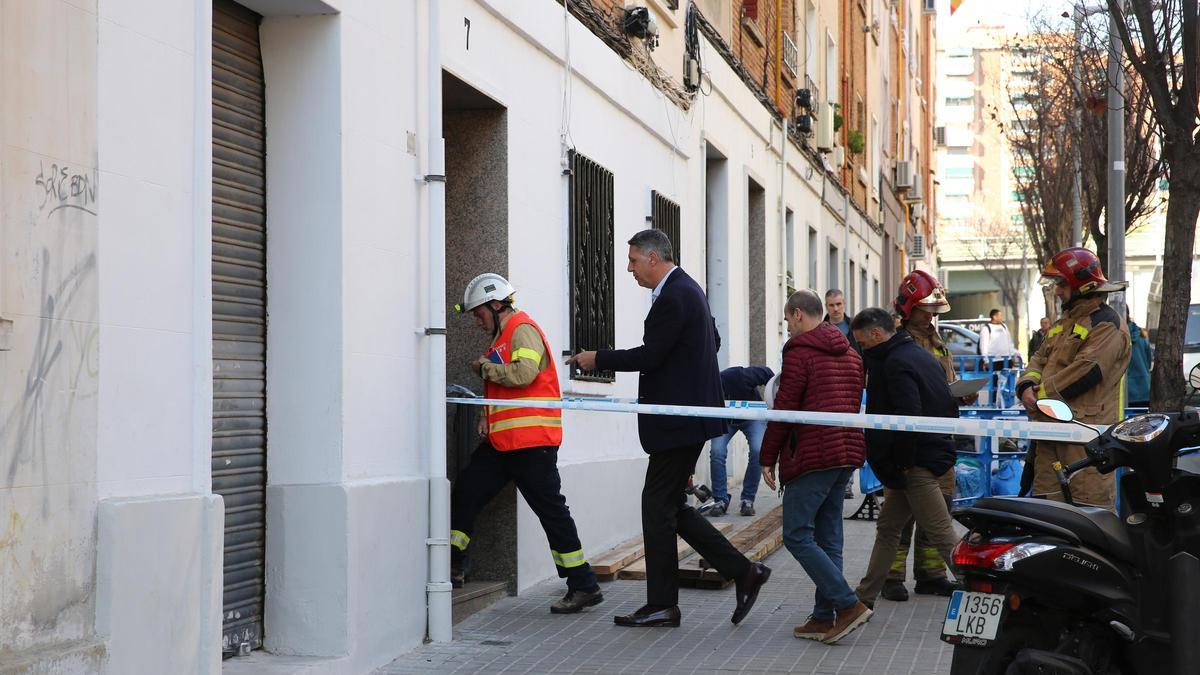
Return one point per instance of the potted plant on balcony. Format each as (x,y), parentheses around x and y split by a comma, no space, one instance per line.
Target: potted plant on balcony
(855,141)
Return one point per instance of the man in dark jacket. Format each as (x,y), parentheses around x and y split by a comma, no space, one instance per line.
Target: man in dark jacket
(904,379)
(821,373)
(740,384)
(678,365)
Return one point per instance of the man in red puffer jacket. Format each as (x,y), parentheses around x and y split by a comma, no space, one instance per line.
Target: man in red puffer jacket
(821,373)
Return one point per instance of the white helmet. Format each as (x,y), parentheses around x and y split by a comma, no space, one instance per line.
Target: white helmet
(770,390)
(485,288)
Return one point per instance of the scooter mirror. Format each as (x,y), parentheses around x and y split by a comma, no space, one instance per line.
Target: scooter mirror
(1055,409)
(1194,377)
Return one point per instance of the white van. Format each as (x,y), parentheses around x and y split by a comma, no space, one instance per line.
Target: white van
(1191,340)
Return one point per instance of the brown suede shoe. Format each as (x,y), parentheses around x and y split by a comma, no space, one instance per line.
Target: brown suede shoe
(813,629)
(847,620)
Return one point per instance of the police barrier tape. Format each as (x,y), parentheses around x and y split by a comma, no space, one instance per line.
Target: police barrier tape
(748,410)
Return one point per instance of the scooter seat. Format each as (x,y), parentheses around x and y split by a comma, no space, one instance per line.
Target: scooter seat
(1095,527)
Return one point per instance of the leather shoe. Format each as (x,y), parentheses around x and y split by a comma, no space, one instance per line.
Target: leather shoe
(895,591)
(648,617)
(940,586)
(747,590)
(575,601)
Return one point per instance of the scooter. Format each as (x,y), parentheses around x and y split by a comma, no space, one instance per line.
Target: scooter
(1057,588)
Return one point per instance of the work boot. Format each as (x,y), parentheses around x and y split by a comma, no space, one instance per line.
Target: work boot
(848,619)
(939,586)
(575,601)
(895,591)
(747,507)
(457,577)
(813,629)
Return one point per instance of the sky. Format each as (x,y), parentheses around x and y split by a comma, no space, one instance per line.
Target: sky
(1010,13)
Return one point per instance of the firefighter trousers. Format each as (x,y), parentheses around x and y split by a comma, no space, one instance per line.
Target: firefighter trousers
(535,473)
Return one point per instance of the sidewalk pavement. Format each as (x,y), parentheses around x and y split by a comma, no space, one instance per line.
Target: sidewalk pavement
(519,635)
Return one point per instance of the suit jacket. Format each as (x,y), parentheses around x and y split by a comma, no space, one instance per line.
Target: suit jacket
(678,366)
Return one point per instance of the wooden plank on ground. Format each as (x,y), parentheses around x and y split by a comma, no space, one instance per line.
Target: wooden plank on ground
(608,564)
(637,570)
(756,541)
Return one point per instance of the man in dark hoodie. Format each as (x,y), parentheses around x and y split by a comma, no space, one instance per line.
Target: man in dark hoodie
(740,384)
(821,373)
(904,379)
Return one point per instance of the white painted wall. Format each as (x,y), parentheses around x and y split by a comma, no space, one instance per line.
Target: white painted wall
(48,289)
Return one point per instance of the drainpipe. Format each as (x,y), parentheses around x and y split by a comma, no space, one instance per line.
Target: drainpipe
(438,589)
(783,247)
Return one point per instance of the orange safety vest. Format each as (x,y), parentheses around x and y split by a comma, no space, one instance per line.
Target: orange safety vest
(517,428)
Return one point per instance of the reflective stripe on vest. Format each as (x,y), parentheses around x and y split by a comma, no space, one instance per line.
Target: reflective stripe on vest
(524,427)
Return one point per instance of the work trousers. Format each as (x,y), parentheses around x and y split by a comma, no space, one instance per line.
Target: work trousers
(1088,487)
(922,500)
(927,562)
(535,473)
(665,514)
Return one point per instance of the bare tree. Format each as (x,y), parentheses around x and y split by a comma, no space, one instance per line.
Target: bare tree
(1003,252)
(1162,42)
(1062,110)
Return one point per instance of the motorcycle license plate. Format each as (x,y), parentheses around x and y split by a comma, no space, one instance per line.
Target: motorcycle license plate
(973,618)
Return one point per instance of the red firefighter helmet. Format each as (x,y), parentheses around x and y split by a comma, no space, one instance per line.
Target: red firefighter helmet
(1080,270)
(920,289)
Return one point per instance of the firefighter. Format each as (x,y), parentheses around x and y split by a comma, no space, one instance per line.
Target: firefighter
(1081,363)
(919,299)
(519,444)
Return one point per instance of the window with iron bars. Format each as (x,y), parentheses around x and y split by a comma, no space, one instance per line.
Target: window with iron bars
(593,324)
(664,215)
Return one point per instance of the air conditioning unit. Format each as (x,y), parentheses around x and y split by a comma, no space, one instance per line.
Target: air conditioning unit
(939,135)
(904,175)
(916,246)
(839,157)
(824,128)
(916,194)
(918,211)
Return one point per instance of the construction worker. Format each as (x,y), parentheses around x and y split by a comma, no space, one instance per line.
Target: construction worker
(519,444)
(921,297)
(1081,363)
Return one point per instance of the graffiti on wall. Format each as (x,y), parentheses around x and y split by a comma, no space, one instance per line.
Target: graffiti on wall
(62,187)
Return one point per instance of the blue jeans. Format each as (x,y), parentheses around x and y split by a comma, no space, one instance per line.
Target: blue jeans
(812,532)
(718,452)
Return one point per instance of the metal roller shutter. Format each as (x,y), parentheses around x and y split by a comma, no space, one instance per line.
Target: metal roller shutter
(239,288)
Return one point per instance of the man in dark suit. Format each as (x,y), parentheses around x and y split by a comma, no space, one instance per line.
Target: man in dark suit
(678,365)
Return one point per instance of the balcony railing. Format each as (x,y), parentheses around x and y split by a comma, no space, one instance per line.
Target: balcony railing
(791,56)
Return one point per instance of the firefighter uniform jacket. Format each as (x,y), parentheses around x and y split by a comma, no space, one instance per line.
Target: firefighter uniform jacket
(930,341)
(1082,361)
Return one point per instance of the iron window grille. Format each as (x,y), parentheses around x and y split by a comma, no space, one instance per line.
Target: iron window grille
(664,216)
(593,324)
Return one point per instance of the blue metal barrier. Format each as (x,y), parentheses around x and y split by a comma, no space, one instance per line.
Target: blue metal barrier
(988,457)
(1001,389)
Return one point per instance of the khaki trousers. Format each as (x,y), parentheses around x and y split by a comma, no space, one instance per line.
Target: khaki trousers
(927,562)
(922,500)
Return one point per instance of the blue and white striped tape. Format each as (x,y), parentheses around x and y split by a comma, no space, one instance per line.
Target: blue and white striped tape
(756,410)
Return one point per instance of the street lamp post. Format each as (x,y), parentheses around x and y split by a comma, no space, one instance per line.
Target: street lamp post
(1116,157)
(1077,187)
(1115,206)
